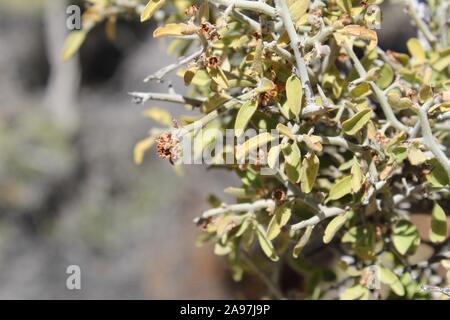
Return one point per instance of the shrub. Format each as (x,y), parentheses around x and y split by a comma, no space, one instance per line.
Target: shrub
(350,139)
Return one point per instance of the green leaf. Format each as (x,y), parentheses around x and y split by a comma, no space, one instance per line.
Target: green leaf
(151,7)
(72,44)
(357,176)
(360,90)
(405,237)
(308,172)
(425,93)
(265,244)
(363,240)
(222,250)
(341,188)
(442,63)
(286,111)
(438,176)
(354,124)
(357,292)
(280,218)
(292,157)
(294,95)
(219,77)
(302,242)
(244,115)
(385,76)
(333,226)
(390,278)
(438,230)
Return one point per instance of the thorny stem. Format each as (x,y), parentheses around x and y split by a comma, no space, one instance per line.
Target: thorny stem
(142,97)
(429,141)
(419,23)
(159,75)
(325,212)
(381,97)
(302,71)
(239,207)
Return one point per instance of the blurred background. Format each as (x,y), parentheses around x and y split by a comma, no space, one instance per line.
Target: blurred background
(69,191)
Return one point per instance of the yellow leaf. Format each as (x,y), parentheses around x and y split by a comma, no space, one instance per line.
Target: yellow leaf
(151,7)
(141,147)
(173,30)
(416,50)
(362,33)
(298,9)
(72,44)
(416,156)
(285,131)
(110,28)
(159,115)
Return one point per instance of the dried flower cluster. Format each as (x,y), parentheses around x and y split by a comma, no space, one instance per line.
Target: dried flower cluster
(364,139)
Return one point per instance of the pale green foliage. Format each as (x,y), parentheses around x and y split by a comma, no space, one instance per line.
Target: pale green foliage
(361,137)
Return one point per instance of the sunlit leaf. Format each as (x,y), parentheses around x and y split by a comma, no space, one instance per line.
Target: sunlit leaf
(279,219)
(341,188)
(140,149)
(438,230)
(333,226)
(72,44)
(159,115)
(390,278)
(252,144)
(415,49)
(151,7)
(405,237)
(172,29)
(292,157)
(294,95)
(302,242)
(357,122)
(357,292)
(357,176)
(244,115)
(309,171)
